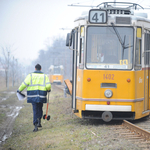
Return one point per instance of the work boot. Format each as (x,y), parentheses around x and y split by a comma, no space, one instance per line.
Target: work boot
(35,128)
(39,123)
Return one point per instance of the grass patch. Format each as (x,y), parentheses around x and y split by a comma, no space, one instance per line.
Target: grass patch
(2,116)
(64,131)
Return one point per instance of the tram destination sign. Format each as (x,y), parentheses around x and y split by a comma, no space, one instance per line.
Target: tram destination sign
(98,16)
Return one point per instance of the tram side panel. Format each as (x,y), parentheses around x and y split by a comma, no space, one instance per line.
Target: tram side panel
(139,93)
(79,92)
(149,91)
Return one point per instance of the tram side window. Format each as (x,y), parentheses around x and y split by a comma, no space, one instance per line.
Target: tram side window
(147,48)
(81,51)
(138,49)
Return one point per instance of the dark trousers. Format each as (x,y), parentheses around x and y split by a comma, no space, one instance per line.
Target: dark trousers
(37,112)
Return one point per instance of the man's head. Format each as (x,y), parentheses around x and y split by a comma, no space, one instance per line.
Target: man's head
(38,67)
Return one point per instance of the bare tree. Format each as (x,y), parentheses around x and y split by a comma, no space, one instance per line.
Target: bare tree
(56,54)
(13,70)
(5,61)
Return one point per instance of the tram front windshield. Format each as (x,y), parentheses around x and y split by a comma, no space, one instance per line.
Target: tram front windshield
(57,70)
(109,47)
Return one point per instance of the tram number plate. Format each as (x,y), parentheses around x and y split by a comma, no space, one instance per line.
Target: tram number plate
(97,16)
(108,76)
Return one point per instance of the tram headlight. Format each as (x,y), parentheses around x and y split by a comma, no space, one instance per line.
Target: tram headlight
(108,93)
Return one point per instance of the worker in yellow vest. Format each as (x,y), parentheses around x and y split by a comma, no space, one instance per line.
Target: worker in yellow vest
(38,85)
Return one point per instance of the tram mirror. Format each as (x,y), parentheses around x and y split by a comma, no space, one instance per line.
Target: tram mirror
(69,39)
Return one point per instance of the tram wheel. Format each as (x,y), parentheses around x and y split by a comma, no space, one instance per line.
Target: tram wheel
(107,116)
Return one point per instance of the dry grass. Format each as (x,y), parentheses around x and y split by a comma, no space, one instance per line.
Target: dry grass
(3,82)
(64,131)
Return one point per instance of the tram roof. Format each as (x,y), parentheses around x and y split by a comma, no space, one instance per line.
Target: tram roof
(132,10)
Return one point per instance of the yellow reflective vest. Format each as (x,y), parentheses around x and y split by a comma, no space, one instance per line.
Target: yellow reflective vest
(37,84)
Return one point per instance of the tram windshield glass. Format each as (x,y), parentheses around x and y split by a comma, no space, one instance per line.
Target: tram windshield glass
(57,70)
(109,47)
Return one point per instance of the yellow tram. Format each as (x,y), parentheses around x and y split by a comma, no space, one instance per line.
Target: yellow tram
(111,63)
(56,74)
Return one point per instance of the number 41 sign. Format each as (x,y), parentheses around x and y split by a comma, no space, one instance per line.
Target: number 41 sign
(97,16)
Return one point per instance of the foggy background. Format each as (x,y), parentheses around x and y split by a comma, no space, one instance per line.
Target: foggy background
(34,31)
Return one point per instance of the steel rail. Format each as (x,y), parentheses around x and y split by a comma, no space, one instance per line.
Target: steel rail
(139,131)
(60,87)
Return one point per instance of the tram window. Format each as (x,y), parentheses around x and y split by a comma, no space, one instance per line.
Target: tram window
(105,50)
(138,54)
(57,71)
(147,48)
(81,51)
(138,49)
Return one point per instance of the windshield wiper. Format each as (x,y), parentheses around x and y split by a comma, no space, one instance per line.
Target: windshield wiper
(120,40)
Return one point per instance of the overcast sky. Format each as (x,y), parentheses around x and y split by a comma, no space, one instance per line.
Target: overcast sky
(26,24)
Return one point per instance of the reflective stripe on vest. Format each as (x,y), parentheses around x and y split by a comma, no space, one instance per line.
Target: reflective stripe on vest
(48,83)
(36,96)
(25,83)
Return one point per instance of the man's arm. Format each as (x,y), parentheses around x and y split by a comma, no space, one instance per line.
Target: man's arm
(25,83)
(47,84)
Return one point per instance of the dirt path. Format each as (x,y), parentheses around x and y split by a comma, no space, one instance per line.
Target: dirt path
(9,110)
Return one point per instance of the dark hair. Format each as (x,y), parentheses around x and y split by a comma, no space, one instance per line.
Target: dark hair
(38,67)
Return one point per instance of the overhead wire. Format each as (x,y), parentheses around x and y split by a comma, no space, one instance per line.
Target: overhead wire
(141,1)
(83,2)
(137,1)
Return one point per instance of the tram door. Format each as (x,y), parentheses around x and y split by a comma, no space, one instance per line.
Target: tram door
(146,71)
(74,68)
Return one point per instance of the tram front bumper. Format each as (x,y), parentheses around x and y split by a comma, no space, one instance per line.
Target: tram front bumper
(119,108)
(108,112)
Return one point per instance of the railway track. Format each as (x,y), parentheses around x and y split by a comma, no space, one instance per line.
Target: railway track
(60,86)
(139,132)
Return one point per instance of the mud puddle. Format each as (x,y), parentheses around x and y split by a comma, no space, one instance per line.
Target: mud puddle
(9,110)
(6,129)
